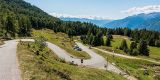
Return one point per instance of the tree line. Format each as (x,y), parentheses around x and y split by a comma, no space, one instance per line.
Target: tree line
(151,37)
(135,49)
(17,18)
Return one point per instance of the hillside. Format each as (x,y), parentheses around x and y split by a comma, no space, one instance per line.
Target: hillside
(17,18)
(48,65)
(153,24)
(141,21)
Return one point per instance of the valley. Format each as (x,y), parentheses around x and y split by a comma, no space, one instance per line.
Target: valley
(123,63)
(78,45)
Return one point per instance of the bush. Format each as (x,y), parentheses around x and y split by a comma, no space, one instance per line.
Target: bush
(40,43)
(108,42)
(126,50)
(134,52)
(123,45)
(133,45)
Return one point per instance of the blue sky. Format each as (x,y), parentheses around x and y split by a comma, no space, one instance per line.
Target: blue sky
(110,9)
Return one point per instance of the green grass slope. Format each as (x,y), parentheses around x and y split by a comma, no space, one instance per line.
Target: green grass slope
(141,69)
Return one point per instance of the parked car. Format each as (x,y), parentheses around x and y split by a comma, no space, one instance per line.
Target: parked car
(77,48)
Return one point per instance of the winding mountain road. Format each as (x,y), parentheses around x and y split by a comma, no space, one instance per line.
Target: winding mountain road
(96,60)
(9,66)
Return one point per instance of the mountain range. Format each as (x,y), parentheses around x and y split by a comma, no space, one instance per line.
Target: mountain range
(149,21)
(99,22)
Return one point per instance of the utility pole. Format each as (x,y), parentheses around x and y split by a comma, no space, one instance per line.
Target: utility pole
(106,65)
(107,61)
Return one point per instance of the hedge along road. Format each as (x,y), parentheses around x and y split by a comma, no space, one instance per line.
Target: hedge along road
(9,65)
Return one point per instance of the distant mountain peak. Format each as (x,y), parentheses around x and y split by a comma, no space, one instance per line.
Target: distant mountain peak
(59,15)
(93,20)
(150,21)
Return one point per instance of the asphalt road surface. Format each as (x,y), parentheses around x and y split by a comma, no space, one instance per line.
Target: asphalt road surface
(8,61)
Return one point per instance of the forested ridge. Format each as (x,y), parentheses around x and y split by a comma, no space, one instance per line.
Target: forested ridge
(18,17)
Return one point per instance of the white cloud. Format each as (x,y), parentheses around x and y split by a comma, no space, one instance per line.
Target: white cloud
(144,9)
(77,16)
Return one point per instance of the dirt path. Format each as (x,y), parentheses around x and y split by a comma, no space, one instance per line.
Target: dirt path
(125,56)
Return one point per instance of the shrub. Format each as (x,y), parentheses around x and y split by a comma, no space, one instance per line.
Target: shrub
(134,52)
(40,43)
(123,45)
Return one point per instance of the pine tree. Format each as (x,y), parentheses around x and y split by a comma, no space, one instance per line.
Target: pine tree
(123,45)
(133,49)
(127,32)
(94,42)
(99,39)
(133,45)
(143,48)
(108,35)
(24,26)
(90,39)
(102,41)
(11,26)
(134,52)
(108,42)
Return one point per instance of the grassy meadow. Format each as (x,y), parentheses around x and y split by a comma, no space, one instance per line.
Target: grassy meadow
(116,42)
(143,70)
